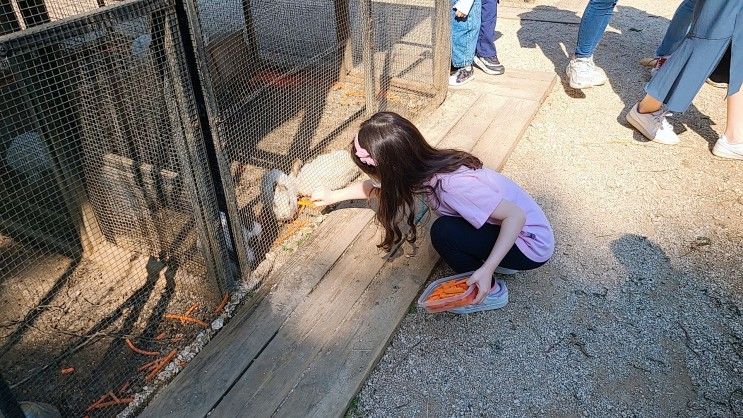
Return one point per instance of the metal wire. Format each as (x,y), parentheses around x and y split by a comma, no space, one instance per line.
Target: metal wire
(150,150)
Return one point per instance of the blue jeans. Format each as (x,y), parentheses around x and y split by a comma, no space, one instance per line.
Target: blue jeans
(486,39)
(464,35)
(677,29)
(595,19)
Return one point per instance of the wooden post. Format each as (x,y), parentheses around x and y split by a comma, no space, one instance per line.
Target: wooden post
(367,45)
(251,39)
(441,49)
(8,20)
(214,133)
(34,12)
(343,36)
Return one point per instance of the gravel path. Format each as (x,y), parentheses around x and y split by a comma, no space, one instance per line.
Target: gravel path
(640,311)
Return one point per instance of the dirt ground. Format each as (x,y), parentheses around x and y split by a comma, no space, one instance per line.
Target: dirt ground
(640,311)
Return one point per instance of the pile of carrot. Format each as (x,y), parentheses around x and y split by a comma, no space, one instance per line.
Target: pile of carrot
(154,367)
(110,399)
(448,289)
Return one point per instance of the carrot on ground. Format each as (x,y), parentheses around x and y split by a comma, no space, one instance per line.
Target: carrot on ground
(222,304)
(139,350)
(185,318)
(96,403)
(68,370)
(164,362)
(113,396)
(191,309)
(150,365)
(304,201)
(160,336)
(108,404)
(124,387)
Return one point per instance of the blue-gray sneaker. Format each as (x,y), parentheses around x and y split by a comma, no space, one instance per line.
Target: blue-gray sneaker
(494,300)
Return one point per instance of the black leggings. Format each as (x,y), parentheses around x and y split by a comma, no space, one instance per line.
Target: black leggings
(465,248)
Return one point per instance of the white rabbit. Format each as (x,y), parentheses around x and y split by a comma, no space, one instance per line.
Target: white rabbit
(333,170)
(28,155)
(248,235)
(280,193)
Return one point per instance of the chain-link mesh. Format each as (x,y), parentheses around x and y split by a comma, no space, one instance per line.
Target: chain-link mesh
(108,222)
(122,207)
(290,81)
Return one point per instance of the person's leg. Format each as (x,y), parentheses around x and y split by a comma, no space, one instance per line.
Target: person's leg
(649,117)
(582,72)
(730,144)
(486,35)
(734,131)
(460,245)
(486,56)
(458,41)
(677,29)
(465,248)
(464,32)
(595,19)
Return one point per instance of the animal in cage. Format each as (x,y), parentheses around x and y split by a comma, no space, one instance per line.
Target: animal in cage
(333,170)
(280,192)
(28,155)
(249,235)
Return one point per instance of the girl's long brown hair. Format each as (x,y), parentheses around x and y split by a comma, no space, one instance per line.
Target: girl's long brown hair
(405,164)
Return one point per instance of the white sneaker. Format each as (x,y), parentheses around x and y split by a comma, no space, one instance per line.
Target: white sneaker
(503,270)
(654,125)
(725,149)
(583,73)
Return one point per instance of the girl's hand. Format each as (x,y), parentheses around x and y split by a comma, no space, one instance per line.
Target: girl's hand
(483,279)
(460,14)
(322,197)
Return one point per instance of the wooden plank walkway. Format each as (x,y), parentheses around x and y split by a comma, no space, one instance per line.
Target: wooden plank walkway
(305,343)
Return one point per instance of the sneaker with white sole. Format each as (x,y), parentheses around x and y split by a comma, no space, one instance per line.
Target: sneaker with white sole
(490,65)
(462,75)
(583,73)
(654,125)
(724,149)
(495,300)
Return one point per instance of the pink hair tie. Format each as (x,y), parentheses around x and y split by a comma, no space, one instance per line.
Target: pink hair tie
(362,153)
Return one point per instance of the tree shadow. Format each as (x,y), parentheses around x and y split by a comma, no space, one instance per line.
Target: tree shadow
(625,75)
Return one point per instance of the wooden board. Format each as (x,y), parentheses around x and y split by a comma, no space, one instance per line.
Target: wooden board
(196,390)
(306,348)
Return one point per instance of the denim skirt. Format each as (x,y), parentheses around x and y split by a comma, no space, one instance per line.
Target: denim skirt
(717,25)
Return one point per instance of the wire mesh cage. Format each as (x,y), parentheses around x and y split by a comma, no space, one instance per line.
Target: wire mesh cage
(108,220)
(287,84)
(154,151)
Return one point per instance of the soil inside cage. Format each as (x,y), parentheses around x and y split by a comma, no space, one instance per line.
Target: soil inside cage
(68,344)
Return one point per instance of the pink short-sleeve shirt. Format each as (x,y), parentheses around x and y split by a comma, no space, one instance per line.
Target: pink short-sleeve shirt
(474,195)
